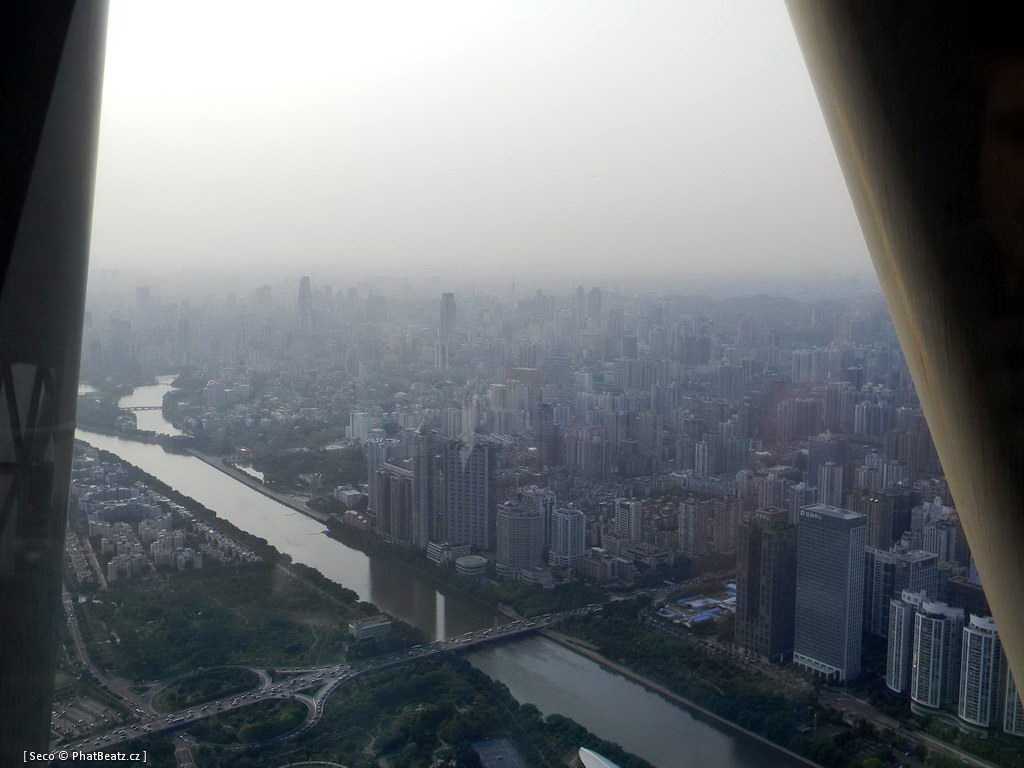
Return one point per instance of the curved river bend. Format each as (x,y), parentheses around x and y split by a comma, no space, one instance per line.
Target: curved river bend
(536,670)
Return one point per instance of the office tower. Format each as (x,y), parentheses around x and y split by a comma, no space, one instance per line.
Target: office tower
(305,305)
(628,520)
(830,484)
(766,584)
(982,673)
(378,453)
(935,675)
(428,522)
(879,508)
(541,501)
(520,532)
(568,538)
(829,591)
(887,574)
(694,523)
(468,469)
(821,449)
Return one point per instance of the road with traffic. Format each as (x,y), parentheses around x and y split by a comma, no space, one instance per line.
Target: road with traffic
(308,685)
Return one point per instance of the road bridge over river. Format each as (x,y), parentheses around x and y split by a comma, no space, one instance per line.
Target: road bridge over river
(309,686)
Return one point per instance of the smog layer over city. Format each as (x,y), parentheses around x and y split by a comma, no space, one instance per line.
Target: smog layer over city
(477,385)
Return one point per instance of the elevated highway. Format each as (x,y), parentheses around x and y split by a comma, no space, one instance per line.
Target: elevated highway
(296,683)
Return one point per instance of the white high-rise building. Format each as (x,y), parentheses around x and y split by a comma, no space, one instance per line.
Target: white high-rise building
(936,667)
(568,538)
(830,484)
(1013,711)
(541,501)
(378,453)
(628,519)
(900,651)
(982,673)
(520,539)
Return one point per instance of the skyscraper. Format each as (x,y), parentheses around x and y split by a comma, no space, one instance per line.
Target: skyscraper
(887,573)
(520,534)
(800,495)
(935,675)
(830,484)
(427,520)
(469,503)
(541,501)
(394,522)
(445,331)
(568,537)
(694,526)
(820,449)
(766,584)
(880,511)
(628,519)
(548,442)
(1013,710)
(378,453)
(829,591)
(982,673)
(900,649)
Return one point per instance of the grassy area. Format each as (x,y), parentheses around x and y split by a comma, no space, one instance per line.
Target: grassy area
(254,615)
(252,724)
(205,686)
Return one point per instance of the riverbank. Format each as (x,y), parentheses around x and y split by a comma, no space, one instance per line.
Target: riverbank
(581,647)
(589,651)
(556,680)
(336,531)
(288,500)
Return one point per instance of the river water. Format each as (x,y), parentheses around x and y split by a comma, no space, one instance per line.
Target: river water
(536,670)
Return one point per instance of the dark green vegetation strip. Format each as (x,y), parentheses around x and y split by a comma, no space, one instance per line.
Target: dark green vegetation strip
(253,615)
(205,686)
(252,724)
(421,713)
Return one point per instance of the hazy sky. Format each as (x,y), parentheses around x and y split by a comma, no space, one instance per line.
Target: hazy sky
(652,135)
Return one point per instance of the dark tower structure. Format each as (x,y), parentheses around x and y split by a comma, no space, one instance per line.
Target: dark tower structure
(51,57)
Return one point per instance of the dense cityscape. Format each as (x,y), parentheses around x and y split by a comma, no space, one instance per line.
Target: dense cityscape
(750,476)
